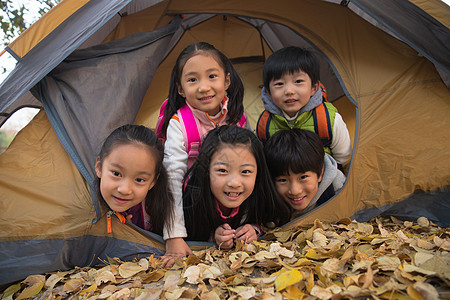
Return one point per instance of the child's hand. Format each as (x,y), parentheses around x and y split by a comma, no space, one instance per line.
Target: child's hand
(246,233)
(175,249)
(224,236)
(129,217)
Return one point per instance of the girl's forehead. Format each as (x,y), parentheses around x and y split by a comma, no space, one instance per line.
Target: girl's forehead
(230,151)
(128,148)
(202,56)
(133,156)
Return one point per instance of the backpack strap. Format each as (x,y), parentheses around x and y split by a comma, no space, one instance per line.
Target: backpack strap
(324,92)
(188,125)
(190,131)
(322,124)
(243,121)
(262,126)
(160,122)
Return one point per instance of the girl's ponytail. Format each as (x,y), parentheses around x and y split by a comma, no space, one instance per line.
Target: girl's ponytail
(235,94)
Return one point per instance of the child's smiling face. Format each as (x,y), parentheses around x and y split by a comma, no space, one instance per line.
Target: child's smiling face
(292,91)
(298,189)
(126,175)
(232,175)
(203,83)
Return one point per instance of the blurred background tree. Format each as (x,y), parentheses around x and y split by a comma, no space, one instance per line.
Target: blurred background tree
(18,15)
(15,16)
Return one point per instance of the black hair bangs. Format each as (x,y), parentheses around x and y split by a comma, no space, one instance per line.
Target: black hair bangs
(292,159)
(296,151)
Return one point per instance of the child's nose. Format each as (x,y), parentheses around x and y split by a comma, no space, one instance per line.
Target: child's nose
(295,189)
(234,181)
(203,86)
(289,89)
(124,187)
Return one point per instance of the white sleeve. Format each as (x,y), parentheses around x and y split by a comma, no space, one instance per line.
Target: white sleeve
(341,145)
(175,162)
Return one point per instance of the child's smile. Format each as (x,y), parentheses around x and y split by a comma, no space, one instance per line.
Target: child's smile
(233,195)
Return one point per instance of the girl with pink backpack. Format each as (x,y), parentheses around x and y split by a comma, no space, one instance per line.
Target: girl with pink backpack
(205,92)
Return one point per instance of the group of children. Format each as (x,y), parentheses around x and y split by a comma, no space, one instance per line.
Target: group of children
(226,183)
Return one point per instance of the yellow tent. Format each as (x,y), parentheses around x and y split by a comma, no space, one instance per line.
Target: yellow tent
(93,65)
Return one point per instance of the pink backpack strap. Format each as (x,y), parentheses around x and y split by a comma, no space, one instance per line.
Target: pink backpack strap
(243,121)
(160,121)
(190,131)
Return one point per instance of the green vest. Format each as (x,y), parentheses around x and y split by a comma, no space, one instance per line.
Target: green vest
(303,121)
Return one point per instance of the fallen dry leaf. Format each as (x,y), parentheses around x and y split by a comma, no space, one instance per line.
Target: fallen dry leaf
(287,278)
(422,257)
(192,274)
(425,244)
(104,277)
(129,269)
(35,284)
(10,291)
(89,291)
(422,221)
(54,279)
(276,249)
(73,285)
(426,290)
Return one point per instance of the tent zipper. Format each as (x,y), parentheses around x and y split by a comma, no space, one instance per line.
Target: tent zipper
(108,220)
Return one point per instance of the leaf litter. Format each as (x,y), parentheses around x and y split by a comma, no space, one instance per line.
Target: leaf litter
(385,258)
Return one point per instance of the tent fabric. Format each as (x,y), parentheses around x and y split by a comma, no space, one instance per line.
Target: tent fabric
(431,39)
(435,8)
(387,85)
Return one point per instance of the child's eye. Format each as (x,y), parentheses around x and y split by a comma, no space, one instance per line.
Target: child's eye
(140,180)
(212,76)
(191,80)
(246,172)
(280,180)
(299,81)
(221,170)
(303,177)
(278,84)
(115,173)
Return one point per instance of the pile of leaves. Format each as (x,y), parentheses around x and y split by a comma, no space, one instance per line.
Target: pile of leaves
(382,259)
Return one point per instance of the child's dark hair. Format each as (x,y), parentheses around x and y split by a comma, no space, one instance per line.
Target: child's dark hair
(159,200)
(235,91)
(262,206)
(294,150)
(289,60)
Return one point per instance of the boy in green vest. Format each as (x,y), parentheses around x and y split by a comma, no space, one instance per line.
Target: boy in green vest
(293,98)
(304,175)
